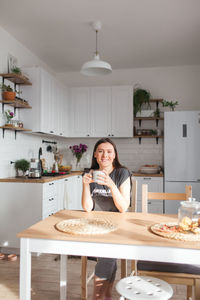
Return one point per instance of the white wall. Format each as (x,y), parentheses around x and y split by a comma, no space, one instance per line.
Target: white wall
(180,83)
(175,83)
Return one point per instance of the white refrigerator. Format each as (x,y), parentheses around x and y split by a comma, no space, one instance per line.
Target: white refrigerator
(181,155)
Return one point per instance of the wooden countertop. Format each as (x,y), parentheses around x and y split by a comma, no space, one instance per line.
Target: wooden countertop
(133,228)
(39,180)
(147,175)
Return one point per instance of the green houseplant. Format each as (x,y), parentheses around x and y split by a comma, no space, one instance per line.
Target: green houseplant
(7,92)
(21,165)
(170,104)
(141,97)
(16,70)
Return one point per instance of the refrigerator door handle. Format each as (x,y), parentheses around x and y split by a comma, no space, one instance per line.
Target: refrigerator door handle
(184,130)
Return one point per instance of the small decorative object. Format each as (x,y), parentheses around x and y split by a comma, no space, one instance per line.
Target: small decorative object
(78,151)
(7,92)
(171,104)
(140,98)
(12,62)
(21,165)
(9,115)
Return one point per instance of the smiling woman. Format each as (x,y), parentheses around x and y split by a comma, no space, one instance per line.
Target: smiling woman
(110,192)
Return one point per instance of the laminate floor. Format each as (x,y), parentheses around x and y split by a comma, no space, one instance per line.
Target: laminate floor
(45,280)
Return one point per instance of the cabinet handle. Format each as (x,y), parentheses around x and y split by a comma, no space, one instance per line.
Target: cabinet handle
(61,133)
(109,134)
(87,135)
(51,199)
(51,131)
(66,179)
(112,134)
(149,202)
(147,178)
(51,183)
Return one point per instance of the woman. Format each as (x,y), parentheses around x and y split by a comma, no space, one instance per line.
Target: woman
(111,193)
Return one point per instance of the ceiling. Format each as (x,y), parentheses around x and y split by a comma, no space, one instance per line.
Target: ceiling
(135,33)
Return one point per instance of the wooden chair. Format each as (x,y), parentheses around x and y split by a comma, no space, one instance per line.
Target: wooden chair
(85,279)
(188,275)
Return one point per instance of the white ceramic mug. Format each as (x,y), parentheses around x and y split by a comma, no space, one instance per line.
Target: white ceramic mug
(95,175)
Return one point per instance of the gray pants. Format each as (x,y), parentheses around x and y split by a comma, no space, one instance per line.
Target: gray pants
(106,268)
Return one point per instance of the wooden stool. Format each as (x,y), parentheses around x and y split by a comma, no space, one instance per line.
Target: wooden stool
(144,288)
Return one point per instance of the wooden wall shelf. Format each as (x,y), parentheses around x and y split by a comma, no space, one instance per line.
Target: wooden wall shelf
(15,129)
(16,103)
(16,78)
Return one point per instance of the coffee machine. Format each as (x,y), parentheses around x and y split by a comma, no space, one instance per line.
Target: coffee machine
(35,170)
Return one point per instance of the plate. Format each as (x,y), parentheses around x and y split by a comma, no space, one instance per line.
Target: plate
(86,226)
(172,233)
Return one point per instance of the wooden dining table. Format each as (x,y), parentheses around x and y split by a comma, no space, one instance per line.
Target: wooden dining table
(133,239)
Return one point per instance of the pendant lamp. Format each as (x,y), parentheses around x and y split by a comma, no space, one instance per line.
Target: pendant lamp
(96,66)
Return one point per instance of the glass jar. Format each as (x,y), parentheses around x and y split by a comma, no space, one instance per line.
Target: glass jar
(189,214)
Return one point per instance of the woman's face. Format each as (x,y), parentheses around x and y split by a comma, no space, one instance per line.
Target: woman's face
(105,155)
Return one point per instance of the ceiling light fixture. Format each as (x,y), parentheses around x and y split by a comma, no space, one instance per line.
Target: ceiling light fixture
(96,66)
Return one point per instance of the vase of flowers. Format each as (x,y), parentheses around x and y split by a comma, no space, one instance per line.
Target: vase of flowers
(78,151)
(9,115)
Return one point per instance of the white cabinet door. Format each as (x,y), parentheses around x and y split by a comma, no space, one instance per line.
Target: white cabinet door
(80,125)
(73,192)
(122,111)
(47,105)
(101,111)
(47,98)
(155,184)
(60,192)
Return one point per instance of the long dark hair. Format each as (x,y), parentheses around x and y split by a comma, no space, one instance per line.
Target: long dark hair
(116,163)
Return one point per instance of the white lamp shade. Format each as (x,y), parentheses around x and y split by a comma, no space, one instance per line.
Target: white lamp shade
(96,67)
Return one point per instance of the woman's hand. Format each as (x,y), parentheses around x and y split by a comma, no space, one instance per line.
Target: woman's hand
(105,179)
(87,178)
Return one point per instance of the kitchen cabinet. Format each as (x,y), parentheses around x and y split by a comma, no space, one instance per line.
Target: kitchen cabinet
(155,184)
(48,99)
(73,193)
(101,111)
(23,205)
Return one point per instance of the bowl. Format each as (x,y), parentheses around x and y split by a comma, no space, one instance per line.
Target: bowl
(150,169)
(66,168)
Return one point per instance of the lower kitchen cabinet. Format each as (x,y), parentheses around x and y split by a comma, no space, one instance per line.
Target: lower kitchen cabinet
(73,192)
(155,184)
(24,204)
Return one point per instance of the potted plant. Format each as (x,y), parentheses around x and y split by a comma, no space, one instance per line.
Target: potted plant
(7,92)
(171,104)
(16,70)
(21,165)
(141,97)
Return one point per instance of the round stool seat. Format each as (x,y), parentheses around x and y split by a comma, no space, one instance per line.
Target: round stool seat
(144,288)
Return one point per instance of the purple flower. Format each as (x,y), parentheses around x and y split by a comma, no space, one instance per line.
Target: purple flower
(78,150)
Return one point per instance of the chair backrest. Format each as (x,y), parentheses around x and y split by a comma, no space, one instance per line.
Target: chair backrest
(163,196)
(133,206)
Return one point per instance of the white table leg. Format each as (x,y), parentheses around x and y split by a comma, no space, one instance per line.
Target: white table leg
(63,277)
(25,270)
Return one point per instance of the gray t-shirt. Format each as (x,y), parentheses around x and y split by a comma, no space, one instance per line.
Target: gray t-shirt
(101,194)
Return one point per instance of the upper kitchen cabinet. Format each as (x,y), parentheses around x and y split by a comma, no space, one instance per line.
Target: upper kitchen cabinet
(122,111)
(101,111)
(48,99)
(80,122)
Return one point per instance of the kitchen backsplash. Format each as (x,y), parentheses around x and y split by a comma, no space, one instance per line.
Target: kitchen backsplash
(131,153)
